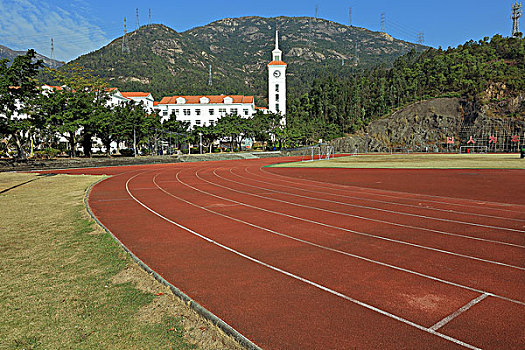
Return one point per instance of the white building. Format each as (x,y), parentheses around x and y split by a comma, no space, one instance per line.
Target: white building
(277,81)
(205,110)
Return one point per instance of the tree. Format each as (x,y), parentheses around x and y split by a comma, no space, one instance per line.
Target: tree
(18,88)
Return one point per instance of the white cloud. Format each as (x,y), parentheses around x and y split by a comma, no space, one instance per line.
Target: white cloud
(28,24)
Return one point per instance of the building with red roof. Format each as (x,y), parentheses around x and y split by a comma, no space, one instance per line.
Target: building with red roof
(204,110)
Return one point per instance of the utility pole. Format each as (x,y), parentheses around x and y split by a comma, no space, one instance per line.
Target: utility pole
(420,38)
(125,48)
(383,19)
(138,24)
(516,14)
(210,81)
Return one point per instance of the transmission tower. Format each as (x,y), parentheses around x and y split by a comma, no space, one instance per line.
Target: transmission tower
(125,48)
(516,14)
(149,16)
(52,54)
(349,16)
(138,24)
(383,17)
(420,37)
(210,81)
(316,11)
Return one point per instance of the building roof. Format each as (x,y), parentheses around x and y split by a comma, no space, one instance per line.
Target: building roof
(277,63)
(217,99)
(54,87)
(155,103)
(135,94)
(261,107)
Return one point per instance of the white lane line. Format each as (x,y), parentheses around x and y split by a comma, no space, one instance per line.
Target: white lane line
(448,211)
(304,280)
(368,218)
(353,231)
(394,267)
(458,312)
(407,195)
(383,210)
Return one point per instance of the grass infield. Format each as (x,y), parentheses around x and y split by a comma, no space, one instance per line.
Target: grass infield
(66,284)
(417,161)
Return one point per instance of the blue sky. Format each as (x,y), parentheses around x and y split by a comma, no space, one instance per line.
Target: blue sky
(78,27)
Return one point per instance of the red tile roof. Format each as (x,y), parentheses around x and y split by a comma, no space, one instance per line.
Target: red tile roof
(135,94)
(217,99)
(155,103)
(59,88)
(277,63)
(261,107)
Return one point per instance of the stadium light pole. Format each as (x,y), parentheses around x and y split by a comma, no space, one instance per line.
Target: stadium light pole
(200,142)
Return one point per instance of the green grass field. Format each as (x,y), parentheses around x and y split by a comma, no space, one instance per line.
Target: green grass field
(417,161)
(66,284)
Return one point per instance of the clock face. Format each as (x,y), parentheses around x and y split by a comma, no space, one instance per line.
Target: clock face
(277,74)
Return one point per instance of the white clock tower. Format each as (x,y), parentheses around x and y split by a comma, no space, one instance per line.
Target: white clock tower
(277,81)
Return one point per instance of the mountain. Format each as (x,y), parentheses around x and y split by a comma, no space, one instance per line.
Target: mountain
(163,61)
(6,52)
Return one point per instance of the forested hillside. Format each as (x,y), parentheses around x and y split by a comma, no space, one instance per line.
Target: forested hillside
(165,62)
(489,72)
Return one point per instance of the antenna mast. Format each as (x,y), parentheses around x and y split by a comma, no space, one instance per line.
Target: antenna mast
(138,24)
(516,14)
(149,16)
(316,11)
(383,19)
(350,16)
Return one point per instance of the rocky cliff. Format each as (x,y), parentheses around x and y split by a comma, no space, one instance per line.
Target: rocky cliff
(425,126)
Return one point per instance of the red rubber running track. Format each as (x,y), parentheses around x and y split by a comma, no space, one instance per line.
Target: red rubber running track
(332,258)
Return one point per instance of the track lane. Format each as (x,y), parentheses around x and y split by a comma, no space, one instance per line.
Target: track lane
(441,210)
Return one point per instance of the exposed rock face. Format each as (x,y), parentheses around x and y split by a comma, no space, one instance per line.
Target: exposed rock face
(425,126)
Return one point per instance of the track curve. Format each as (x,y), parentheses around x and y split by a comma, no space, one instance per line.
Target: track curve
(332,258)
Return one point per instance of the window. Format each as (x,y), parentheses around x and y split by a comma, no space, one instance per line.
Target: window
(198,111)
(212,122)
(276,87)
(277,107)
(165,113)
(186,111)
(276,58)
(233,111)
(246,111)
(197,122)
(222,111)
(276,97)
(212,111)
(177,111)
